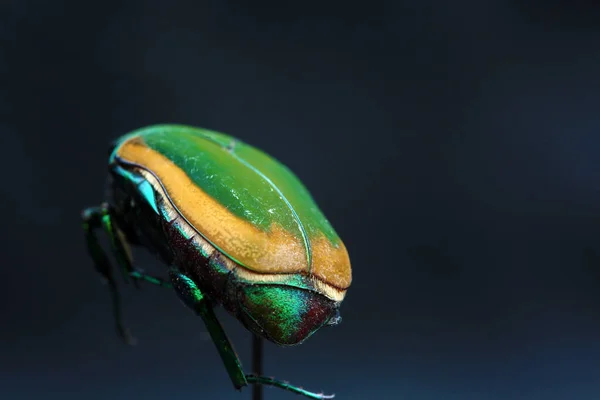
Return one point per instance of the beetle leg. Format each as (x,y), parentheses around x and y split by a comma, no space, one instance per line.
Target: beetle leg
(193,297)
(263,380)
(123,252)
(118,244)
(139,274)
(92,221)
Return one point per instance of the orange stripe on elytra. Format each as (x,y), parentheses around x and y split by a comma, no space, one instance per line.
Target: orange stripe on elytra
(330,263)
(274,251)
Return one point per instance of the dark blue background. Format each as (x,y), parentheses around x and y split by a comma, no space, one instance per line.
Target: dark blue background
(453,145)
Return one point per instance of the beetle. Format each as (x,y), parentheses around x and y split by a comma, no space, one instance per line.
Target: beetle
(235,226)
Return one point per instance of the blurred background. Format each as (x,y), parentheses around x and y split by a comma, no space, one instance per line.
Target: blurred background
(453,146)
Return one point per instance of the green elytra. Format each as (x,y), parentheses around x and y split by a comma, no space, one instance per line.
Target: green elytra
(268,191)
(277,197)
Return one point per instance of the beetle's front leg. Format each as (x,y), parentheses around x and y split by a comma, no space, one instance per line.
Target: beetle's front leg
(122,251)
(92,221)
(193,297)
(95,218)
(118,244)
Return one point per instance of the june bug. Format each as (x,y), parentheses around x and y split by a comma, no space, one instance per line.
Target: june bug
(236,228)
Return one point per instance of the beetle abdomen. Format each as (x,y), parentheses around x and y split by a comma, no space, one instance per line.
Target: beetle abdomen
(245,203)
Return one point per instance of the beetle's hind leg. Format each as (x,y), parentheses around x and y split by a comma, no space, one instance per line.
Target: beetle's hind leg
(193,297)
(263,380)
(92,221)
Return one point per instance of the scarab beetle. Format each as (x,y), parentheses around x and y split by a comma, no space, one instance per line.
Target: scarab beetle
(236,228)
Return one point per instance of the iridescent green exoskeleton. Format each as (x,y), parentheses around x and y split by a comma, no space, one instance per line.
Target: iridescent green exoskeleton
(236,228)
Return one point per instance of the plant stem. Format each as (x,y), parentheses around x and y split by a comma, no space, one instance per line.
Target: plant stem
(257,366)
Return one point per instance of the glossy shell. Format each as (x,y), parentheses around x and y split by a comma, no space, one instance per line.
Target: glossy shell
(242,201)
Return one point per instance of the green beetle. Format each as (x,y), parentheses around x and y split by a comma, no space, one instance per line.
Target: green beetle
(237,229)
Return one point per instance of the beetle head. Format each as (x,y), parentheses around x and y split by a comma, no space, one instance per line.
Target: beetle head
(286,315)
